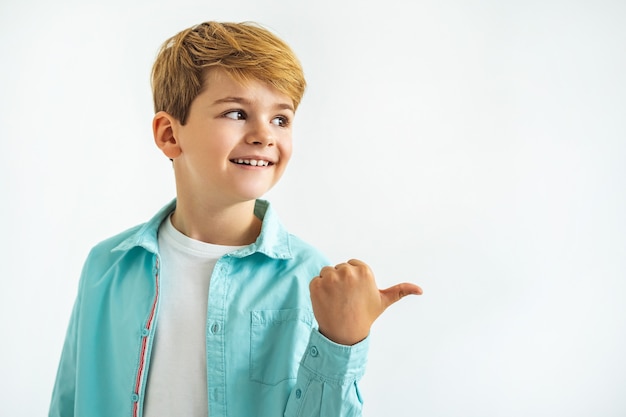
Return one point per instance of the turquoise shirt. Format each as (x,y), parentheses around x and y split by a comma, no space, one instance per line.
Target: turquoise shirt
(265,356)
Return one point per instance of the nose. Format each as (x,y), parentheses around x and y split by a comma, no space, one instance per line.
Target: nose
(260,134)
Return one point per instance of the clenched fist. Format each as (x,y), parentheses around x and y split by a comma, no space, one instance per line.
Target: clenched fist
(346,301)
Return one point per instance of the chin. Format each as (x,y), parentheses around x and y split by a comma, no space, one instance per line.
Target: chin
(252,195)
(254,192)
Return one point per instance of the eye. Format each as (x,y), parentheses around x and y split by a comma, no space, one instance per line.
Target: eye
(235,115)
(280,121)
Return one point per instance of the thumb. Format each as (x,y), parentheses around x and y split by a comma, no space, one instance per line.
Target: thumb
(392,294)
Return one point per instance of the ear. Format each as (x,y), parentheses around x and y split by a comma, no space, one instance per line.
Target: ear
(163,126)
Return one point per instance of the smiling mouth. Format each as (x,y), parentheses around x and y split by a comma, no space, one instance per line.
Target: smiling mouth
(252,162)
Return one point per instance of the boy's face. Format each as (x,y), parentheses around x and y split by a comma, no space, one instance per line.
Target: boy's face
(236,143)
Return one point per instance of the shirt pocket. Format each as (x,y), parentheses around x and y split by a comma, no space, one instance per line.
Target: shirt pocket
(278,340)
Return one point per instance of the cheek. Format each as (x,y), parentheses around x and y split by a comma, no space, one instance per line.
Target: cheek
(286,157)
(218,146)
(286,149)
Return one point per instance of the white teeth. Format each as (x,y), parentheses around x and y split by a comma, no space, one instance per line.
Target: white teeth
(252,162)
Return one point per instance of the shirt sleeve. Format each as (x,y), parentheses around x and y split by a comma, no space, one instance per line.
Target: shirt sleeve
(64,392)
(327,382)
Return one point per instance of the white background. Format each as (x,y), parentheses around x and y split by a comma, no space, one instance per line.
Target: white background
(477,148)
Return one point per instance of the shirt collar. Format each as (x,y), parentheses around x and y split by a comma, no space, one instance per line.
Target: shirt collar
(273,240)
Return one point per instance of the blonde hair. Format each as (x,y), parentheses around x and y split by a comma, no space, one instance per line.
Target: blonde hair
(245,50)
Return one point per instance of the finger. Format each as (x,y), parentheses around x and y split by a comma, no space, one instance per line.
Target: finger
(341,265)
(326,270)
(356,262)
(313,281)
(397,292)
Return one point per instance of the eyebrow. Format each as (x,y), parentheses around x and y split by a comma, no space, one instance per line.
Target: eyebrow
(241,100)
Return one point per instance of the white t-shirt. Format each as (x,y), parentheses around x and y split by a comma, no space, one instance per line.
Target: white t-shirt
(177,377)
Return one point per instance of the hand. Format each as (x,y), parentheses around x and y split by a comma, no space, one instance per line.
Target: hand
(346,301)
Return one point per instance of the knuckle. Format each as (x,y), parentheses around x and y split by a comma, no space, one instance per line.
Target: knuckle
(326,270)
(314,283)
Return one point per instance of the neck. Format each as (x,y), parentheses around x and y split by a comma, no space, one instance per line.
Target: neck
(233,225)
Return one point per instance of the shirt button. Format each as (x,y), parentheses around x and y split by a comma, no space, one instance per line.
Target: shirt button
(215,328)
(145,332)
(298,393)
(135,398)
(314,351)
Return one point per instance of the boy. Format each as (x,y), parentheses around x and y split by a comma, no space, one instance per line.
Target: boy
(211,307)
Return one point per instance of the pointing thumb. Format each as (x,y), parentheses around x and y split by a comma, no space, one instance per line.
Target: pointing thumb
(392,294)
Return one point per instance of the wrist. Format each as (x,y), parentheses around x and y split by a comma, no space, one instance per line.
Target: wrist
(345,337)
